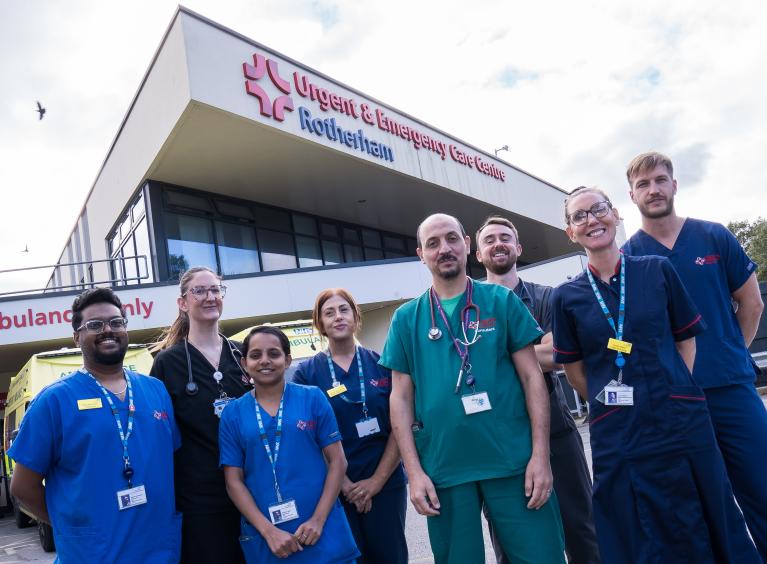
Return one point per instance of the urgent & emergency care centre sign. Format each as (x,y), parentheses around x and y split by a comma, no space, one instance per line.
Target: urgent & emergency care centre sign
(300,86)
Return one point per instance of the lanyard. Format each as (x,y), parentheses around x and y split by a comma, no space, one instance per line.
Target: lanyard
(361,378)
(124,436)
(619,360)
(277,440)
(461,347)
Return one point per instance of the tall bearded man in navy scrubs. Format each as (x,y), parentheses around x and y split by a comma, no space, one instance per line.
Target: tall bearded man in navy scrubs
(102,438)
(721,279)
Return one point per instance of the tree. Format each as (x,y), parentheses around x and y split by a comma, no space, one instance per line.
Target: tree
(753,236)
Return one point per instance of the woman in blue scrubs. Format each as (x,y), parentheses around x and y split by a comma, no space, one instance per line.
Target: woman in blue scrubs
(624,330)
(374,493)
(274,443)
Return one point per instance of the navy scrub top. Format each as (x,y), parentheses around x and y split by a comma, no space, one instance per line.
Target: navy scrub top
(712,265)
(308,426)
(363,454)
(659,312)
(78,451)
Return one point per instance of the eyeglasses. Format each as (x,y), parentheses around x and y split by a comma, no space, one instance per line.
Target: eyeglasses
(96,326)
(600,209)
(201,292)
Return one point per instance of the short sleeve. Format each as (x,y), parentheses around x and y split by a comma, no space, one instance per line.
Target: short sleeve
(36,445)
(394,356)
(738,266)
(230,442)
(327,427)
(566,345)
(686,322)
(299,376)
(521,327)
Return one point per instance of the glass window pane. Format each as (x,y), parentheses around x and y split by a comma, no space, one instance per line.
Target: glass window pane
(113,242)
(332,252)
(191,201)
(271,218)
(237,248)
(233,209)
(394,254)
(276,250)
(138,208)
(304,224)
(129,262)
(373,254)
(141,236)
(371,238)
(411,246)
(190,243)
(394,243)
(308,251)
(124,227)
(329,230)
(351,235)
(353,253)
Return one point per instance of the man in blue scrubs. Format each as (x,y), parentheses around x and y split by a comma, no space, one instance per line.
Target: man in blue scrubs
(721,279)
(102,439)
(498,249)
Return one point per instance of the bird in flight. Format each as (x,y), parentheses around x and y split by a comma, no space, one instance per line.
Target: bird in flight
(40,110)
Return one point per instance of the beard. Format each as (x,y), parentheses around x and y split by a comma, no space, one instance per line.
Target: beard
(658,213)
(451,273)
(499,269)
(107,358)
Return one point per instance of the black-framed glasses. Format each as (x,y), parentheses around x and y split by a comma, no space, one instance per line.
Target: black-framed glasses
(96,326)
(201,292)
(600,209)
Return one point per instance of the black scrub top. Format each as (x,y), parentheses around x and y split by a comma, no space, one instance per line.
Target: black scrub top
(199,480)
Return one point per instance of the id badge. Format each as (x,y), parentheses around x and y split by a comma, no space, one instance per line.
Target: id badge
(219,405)
(620,346)
(619,395)
(367,427)
(335,390)
(283,512)
(131,497)
(475,403)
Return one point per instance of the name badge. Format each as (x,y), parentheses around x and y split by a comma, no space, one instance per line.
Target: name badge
(283,512)
(620,346)
(368,427)
(219,405)
(619,395)
(131,497)
(335,390)
(475,403)
(93,403)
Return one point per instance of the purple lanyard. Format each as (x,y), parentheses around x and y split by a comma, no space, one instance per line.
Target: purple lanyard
(461,348)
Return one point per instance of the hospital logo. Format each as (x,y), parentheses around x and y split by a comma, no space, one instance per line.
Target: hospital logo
(160,415)
(384,382)
(484,325)
(708,259)
(261,65)
(306,425)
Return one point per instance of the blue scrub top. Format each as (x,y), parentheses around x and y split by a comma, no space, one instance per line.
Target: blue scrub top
(79,453)
(363,454)
(659,312)
(308,426)
(712,265)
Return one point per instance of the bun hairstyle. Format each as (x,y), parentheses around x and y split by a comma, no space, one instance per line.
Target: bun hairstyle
(179,330)
(584,190)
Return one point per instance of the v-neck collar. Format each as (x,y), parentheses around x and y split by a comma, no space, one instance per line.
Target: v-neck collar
(675,246)
(205,358)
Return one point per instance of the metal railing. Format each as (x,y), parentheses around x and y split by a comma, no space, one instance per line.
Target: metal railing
(115,265)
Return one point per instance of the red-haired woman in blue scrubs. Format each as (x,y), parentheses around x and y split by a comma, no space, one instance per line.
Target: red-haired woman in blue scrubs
(625,332)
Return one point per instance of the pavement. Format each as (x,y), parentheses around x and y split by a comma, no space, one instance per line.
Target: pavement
(23,545)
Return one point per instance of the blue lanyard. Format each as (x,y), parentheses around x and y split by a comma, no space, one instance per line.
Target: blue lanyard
(619,360)
(124,436)
(277,440)
(361,378)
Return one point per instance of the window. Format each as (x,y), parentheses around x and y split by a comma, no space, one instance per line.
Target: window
(234,210)
(237,248)
(188,201)
(305,225)
(309,253)
(271,218)
(141,236)
(332,252)
(190,243)
(277,251)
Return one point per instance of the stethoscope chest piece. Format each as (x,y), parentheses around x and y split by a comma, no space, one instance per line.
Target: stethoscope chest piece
(191,388)
(435,333)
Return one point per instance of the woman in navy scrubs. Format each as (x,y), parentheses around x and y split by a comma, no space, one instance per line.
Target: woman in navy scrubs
(202,373)
(374,493)
(624,330)
(275,442)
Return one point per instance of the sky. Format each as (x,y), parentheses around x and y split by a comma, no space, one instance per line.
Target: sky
(575,89)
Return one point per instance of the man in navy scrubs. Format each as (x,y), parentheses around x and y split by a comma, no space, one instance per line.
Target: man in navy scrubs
(721,279)
(102,438)
(498,249)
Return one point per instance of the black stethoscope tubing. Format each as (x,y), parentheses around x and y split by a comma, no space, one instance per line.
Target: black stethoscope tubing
(191,387)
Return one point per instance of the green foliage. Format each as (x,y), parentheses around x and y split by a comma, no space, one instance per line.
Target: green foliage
(753,236)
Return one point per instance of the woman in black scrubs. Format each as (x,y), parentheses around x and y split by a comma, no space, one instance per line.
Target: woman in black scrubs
(201,370)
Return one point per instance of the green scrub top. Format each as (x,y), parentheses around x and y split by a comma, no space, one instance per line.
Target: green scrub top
(455,448)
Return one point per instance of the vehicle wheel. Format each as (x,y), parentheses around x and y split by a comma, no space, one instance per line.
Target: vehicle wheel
(22,519)
(46,537)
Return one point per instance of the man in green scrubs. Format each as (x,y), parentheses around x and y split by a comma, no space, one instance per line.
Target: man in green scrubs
(470,410)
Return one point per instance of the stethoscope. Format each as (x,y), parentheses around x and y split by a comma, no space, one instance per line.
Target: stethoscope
(435,333)
(191,386)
